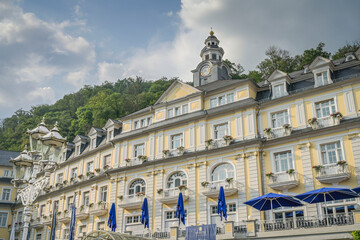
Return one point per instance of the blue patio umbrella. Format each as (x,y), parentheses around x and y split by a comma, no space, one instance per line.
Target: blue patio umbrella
(112,218)
(326,194)
(180,211)
(357,189)
(53,225)
(145,214)
(221,207)
(272,201)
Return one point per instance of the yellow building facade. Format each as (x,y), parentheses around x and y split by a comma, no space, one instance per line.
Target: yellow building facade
(293,133)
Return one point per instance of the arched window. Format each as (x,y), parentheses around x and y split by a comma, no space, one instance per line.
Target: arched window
(176,179)
(137,186)
(222,172)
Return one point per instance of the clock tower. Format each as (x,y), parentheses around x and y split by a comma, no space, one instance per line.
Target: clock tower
(212,67)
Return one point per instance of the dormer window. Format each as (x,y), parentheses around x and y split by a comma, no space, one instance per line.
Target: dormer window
(322,78)
(170,113)
(136,124)
(349,58)
(279,90)
(143,122)
(149,121)
(111,134)
(177,111)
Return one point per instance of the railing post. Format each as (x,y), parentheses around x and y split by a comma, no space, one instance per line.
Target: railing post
(251,228)
(174,232)
(356,214)
(229,228)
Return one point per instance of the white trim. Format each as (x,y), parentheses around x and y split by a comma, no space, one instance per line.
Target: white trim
(323,99)
(131,180)
(170,139)
(2,192)
(218,163)
(349,102)
(237,90)
(270,113)
(273,151)
(329,140)
(7,219)
(171,172)
(216,123)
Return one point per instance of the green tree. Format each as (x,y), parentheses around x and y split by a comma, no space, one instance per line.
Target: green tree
(236,69)
(349,47)
(309,56)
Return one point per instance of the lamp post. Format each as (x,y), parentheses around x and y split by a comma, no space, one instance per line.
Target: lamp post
(45,148)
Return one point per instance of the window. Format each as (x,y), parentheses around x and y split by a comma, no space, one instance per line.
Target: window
(339,206)
(325,108)
(177,179)
(6,173)
(3,219)
(143,122)
(170,113)
(19,216)
(172,215)
(12,173)
(111,134)
(230,208)
(223,171)
(149,121)
(220,131)
(93,143)
(103,193)
(230,98)
(138,150)
(176,141)
(74,172)
(136,124)
(6,194)
(60,177)
(86,198)
(279,119)
(107,160)
(279,90)
(322,78)
(185,109)
(78,150)
(283,161)
(177,111)
(213,102)
(66,233)
(82,229)
(38,236)
(137,186)
(101,226)
(331,153)
(70,202)
(90,167)
(207,56)
(42,208)
(222,100)
(133,219)
(213,56)
(288,212)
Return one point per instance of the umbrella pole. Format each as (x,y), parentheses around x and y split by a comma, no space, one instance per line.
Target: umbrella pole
(326,211)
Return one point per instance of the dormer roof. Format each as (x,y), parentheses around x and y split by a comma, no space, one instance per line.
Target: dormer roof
(277,75)
(112,122)
(81,138)
(98,131)
(320,62)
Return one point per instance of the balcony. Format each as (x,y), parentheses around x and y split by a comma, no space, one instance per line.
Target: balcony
(131,202)
(82,212)
(170,196)
(212,188)
(283,181)
(99,209)
(47,219)
(64,217)
(333,173)
(326,122)
(133,162)
(36,224)
(18,226)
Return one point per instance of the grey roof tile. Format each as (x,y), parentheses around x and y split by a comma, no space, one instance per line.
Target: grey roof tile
(5,157)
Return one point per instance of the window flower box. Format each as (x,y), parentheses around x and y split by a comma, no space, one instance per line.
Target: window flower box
(180,150)
(159,191)
(342,164)
(143,158)
(228,139)
(80,176)
(97,170)
(106,167)
(336,117)
(287,128)
(65,182)
(318,168)
(140,194)
(313,123)
(90,174)
(182,188)
(291,171)
(268,133)
(209,143)
(166,153)
(205,184)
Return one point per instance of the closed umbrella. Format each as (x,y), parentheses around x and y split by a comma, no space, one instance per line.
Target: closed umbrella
(112,218)
(180,211)
(53,225)
(72,221)
(145,214)
(221,207)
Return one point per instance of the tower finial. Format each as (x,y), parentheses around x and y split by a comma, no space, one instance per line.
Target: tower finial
(211,32)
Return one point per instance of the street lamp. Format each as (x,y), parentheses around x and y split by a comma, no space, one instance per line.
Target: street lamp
(45,148)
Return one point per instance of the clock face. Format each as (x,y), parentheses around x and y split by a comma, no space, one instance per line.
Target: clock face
(205,70)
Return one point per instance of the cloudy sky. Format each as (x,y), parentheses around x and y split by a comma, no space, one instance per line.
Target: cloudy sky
(52,48)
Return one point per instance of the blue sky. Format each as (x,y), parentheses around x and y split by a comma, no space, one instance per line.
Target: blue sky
(50,48)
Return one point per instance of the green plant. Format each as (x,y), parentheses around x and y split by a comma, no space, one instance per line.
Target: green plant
(209,142)
(182,187)
(140,194)
(159,191)
(121,197)
(81,208)
(287,125)
(290,171)
(100,202)
(356,235)
(91,205)
(312,121)
(127,159)
(228,138)
(106,167)
(181,149)
(165,152)
(229,180)
(341,163)
(80,176)
(270,174)
(318,168)
(142,157)
(204,184)
(267,130)
(89,174)
(336,115)
(97,170)
(65,182)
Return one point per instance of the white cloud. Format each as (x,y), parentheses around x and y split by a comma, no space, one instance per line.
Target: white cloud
(36,54)
(169,14)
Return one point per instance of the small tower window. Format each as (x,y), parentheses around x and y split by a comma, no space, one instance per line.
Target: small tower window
(213,56)
(207,57)
(213,43)
(208,43)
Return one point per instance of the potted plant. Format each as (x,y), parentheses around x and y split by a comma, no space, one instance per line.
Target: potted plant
(106,167)
(336,117)
(209,143)
(228,139)
(140,194)
(65,182)
(143,158)
(59,185)
(91,205)
(269,175)
(90,174)
(268,133)
(182,188)
(121,197)
(72,180)
(229,181)
(205,184)
(180,150)
(313,123)
(287,128)
(166,153)
(159,191)
(342,164)
(97,170)
(290,171)
(81,208)
(80,176)
(100,203)
(318,168)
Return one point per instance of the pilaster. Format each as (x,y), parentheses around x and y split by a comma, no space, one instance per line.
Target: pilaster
(203,208)
(355,145)
(253,180)
(240,177)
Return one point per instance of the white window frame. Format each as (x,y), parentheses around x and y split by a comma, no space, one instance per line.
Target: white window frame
(74,172)
(281,92)
(279,150)
(69,202)
(2,193)
(182,179)
(60,178)
(174,219)
(330,106)
(103,193)
(133,187)
(7,219)
(227,130)
(172,140)
(227,173)
(6,173)
(88,168)
(224,96)
(170,110)
(336,152)
(100,223)
(290,162)
(86,201)
(278,112)
(105,158)
(135,151)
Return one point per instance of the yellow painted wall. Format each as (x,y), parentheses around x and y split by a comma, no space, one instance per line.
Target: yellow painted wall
(126,127)
(160,115)
(195,106)
(242,94)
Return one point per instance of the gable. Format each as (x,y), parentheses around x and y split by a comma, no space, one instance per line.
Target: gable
(277,74)
(177,90)
(319,61)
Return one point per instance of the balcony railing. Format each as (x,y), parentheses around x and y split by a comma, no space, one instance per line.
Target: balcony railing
(133,162)
(307,222)
(212,188)
(325,122)
(170,196)
(131,201)
(333,173)
(99,209)
(64,217)
(283,181)
(82,212)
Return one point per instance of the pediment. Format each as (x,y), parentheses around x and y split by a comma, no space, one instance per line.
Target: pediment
(95,131)
(319,62)
(111,122)
(277,75)
(177,90)
(80,138)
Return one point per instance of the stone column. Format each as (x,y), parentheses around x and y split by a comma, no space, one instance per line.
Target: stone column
(254,181)
(158,205)
(202,198)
